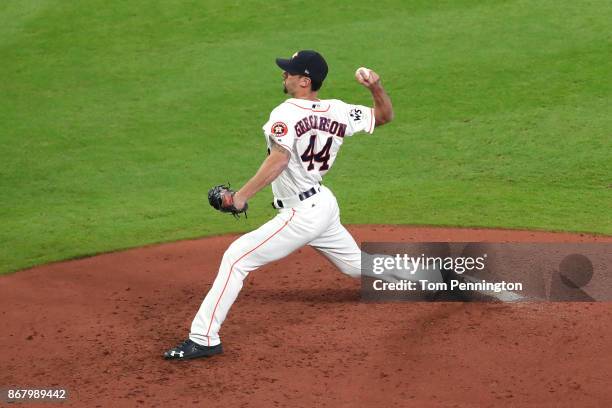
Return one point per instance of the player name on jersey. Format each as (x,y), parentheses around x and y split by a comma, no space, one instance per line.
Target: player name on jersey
(321,123)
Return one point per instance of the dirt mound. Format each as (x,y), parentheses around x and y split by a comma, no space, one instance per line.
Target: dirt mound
(297,336)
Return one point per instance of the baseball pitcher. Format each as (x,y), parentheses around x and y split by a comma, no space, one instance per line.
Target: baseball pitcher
(303,136)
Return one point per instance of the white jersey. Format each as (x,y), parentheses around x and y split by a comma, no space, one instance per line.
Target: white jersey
(312,131)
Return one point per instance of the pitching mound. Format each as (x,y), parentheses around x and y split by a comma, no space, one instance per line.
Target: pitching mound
(298,336)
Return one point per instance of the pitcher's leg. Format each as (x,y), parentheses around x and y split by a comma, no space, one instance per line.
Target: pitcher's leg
(339,246)
(270,242)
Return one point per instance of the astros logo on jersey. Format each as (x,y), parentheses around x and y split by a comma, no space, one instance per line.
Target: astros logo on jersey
(279,129)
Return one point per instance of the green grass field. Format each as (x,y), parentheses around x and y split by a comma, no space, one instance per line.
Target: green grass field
(116,117)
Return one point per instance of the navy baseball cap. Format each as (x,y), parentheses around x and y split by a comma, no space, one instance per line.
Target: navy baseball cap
(307,62)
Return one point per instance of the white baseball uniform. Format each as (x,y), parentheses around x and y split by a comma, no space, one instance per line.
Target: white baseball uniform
(308,214)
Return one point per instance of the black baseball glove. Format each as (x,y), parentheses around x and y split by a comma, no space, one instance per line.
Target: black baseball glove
(221,197)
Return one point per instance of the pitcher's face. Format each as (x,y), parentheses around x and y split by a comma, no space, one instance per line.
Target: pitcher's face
(293,83)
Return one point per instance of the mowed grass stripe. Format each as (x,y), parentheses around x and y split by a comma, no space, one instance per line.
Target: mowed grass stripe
(116,117)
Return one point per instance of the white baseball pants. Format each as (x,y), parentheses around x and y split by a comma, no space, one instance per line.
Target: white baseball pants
(314,221)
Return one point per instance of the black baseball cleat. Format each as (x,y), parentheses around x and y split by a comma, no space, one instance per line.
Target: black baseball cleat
(189,350)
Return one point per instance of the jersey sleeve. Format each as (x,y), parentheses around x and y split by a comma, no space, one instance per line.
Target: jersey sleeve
(280,128)
(360,119)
